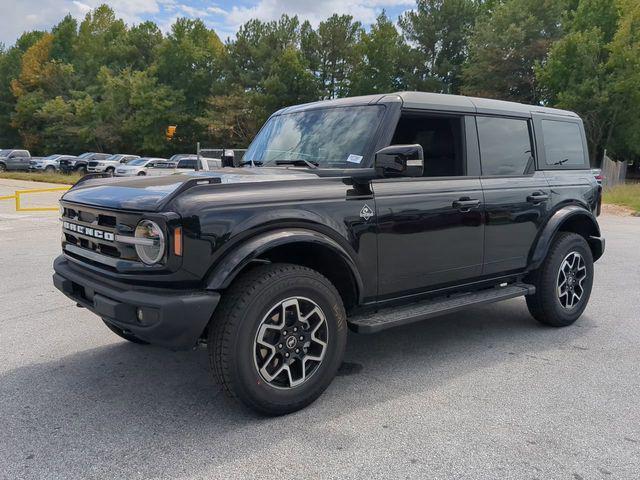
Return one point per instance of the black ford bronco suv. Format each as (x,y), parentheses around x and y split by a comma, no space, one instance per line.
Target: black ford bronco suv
(367,213)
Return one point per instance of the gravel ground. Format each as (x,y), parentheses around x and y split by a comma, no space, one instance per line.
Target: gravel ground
(487,393)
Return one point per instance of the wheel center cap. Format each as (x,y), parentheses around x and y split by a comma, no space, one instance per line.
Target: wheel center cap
(291,342)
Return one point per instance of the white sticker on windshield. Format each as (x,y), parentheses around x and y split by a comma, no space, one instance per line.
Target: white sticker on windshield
(354,158)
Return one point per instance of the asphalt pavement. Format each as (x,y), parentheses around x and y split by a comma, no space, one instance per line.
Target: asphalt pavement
(483,394)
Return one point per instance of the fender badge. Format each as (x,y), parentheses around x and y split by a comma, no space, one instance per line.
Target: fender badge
(366,212)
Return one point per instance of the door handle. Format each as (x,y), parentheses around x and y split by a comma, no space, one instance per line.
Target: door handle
(465,204)
(537,197)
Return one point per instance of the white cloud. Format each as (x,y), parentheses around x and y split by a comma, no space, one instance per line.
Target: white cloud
(313,10)
(24,15)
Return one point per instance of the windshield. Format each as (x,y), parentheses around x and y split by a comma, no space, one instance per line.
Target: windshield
(85,155)
(114,158)
(138,162)
(329,137)
(5,152)
(51,157)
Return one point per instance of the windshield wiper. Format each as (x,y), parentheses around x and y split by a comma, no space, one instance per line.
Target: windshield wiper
(298,161)
(561,162)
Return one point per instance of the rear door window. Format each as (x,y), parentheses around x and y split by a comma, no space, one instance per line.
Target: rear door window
(563,145)
(505,146)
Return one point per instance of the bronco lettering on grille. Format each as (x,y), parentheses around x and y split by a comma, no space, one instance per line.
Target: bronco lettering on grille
(88,231)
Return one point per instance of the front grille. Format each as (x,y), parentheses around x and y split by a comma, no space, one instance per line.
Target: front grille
(94,220)
(93,164)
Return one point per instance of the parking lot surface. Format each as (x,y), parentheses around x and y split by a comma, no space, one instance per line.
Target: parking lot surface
(486,393)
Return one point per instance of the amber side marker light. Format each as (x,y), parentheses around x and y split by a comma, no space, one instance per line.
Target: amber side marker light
(177,241)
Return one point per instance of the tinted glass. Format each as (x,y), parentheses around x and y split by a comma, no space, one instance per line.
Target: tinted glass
(562,143)
(187,164)
(505,146)
(328,137)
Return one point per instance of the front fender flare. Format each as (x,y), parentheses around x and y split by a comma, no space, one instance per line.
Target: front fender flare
(230,265)
(554,224)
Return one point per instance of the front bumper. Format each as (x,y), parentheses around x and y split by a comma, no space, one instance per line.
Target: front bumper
(171,318)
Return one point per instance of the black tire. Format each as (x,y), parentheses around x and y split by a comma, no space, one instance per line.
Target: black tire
(50,169)
(82,169)
(124,333)
(233,337)
(110,170)
(141,174)
(3,167)
(546,305)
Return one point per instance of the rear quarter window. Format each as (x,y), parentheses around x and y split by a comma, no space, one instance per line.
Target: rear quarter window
(563,145)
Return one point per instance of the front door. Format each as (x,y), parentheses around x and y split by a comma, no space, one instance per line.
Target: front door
(430,229)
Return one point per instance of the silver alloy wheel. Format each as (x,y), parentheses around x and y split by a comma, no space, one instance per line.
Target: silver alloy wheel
(291,342)
(571,276)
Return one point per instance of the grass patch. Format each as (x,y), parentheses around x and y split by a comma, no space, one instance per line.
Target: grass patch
(55,177)
(627,195)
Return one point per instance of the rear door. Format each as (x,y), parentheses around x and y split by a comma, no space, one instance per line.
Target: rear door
(516,195)
(430,229)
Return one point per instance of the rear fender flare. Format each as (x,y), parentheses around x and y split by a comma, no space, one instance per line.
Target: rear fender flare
(230,265)
(555,223)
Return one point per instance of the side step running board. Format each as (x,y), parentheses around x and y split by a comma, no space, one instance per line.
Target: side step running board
(395,316)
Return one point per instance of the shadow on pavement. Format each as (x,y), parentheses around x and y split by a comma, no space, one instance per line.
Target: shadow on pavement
(94,412)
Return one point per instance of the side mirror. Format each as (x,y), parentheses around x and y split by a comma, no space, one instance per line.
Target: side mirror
(400,161)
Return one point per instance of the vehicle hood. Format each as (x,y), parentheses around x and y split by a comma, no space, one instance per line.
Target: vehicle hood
(150,193)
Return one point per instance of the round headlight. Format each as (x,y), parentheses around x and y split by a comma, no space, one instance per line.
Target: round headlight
(152,250)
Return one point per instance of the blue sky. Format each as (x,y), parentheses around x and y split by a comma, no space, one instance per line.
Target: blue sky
(223,15)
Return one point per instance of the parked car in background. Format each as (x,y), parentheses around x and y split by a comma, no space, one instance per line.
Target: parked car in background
(79,163)
(15,160)
(48,164)
(109,164)
(139,166)
(185,165)
(597,173)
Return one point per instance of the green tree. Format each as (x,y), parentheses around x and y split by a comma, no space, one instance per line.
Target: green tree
(189,62)
(595,71)
(505,48)
(134,111)
(440,31)
(10,65)
(101,43)
(257,46)
(337,40)
(383,60)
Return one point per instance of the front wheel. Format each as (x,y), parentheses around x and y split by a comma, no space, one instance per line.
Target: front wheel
(563,282)
(277,338)
(50,169)
(3,167)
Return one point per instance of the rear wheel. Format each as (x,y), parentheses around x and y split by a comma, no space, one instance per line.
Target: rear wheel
(277,338)
(3,167)
(50,169)
(110,170)
(563,282)
(82,170)
(126,334)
